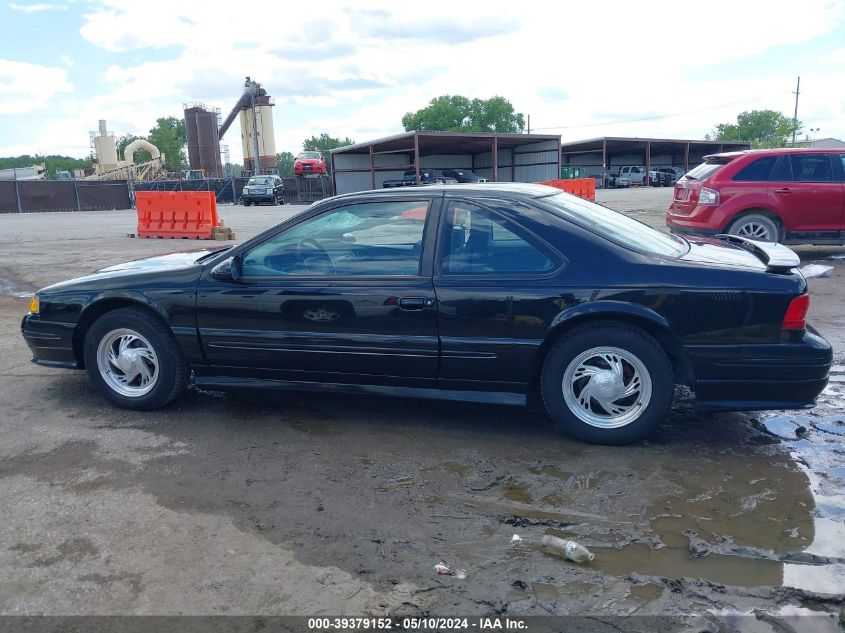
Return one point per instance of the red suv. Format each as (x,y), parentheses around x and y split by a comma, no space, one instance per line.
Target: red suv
(795,196)
(309,162)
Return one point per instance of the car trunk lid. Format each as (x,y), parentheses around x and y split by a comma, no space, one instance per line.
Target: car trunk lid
(776,257)
(735,252)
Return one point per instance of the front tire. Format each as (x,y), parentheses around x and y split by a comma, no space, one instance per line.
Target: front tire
(607,383)
(134,359)
(756,226)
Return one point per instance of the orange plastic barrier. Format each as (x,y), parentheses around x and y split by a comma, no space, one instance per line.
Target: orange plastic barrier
(176,214)
(581,187)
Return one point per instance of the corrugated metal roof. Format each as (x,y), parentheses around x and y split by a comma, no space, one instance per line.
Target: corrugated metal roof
(637,139)
(430,141)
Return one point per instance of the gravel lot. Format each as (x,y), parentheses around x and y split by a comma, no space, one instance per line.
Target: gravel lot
(306,504)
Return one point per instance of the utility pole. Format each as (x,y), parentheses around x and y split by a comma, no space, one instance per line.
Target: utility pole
(257,161)
(529,124)
(795,116)
(17,189)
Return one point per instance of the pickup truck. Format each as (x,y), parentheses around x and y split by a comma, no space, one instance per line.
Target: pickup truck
(636,175)
(409,179)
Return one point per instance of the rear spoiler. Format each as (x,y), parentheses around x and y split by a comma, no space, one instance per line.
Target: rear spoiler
(777,257)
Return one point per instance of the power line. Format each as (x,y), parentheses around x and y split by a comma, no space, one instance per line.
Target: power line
(656,117)
(795,117)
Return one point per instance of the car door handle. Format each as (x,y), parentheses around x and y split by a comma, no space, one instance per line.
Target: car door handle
(783,191)
(415,303)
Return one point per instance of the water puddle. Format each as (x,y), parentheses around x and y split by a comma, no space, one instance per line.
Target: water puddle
(12,289)
(571,481)
(743,512)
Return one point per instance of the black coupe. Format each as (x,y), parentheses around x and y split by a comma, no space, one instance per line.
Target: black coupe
(496,293)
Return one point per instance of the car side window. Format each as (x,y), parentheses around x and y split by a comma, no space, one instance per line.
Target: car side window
(842,158)
(479,242)
(759,170)
(811,168)
(370,239)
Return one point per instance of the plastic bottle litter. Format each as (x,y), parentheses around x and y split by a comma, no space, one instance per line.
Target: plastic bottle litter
(516,538)
(442,568)
(570,550)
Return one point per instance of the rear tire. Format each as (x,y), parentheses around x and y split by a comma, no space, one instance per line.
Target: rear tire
(756,226)
(587,374)
(134,359)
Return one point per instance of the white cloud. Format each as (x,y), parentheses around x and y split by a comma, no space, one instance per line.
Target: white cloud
(26,87)
(34,8)
(355,72)
(834,57)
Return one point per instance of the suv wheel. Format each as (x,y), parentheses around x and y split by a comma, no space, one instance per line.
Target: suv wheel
(756,226)
(607,383)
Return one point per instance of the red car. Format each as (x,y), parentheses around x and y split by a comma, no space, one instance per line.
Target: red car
(795,196)
(309,162)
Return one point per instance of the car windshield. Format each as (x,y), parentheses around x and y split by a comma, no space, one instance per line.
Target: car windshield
(615,226)
(310,155)
(260,181)
(704,170)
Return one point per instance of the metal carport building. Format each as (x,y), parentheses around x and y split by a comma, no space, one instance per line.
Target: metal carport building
(499,157)
(604,155)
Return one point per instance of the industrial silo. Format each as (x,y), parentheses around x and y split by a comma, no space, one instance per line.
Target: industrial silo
(208,142)
(191,135)
(262,130)
(105,148)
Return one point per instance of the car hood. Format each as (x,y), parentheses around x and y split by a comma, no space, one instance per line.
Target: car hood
(712,252)
(169,261)
(159,263)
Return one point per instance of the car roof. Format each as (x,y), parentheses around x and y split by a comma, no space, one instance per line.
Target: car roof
(778,151)
(525,190)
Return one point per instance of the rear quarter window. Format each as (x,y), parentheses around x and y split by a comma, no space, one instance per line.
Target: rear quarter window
(759,170)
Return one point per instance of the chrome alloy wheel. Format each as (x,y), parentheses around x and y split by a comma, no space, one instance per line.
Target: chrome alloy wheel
(127,363)
(754,230)
(606,387)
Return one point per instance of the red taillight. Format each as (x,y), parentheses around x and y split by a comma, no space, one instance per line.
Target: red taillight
(796,313)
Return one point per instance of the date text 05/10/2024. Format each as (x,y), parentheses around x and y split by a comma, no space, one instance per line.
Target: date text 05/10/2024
(416,624)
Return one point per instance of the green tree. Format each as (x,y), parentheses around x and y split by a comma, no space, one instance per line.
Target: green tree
(52,162)
(761,128)
(169,137)
(140,155)
(325,144)
(455,113)
(284,163)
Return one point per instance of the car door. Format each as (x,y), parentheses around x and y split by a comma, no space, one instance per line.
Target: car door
(345,295)
(497,295)
(811,198)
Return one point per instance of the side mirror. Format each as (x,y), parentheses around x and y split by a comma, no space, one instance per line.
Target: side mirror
(228,269)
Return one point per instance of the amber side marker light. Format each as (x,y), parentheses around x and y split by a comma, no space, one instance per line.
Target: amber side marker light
(34,305)
(796,313)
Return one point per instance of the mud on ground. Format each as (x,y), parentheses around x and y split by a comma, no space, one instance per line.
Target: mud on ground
(248,503)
